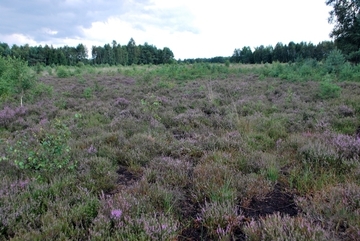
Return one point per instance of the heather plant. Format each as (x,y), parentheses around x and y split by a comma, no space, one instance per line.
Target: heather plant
(166,200)
(220,219)
(169,171)
(99,172)
(331,150)
(338,207)
(60,208)
(120,217)
(277,227)
(9,115)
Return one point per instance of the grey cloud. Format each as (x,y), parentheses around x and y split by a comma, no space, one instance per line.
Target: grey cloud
(32,17)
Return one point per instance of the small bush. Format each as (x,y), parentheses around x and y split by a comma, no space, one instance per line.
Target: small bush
(62,72)
(337,207)
(220,219)
(328,90)
(45,149)
(334,62)
(88,92)
(276,227)
(15,77)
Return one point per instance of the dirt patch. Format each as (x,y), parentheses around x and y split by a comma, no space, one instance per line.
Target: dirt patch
(178,134)
(193,230)
(126,177)
(276,201)
(193,233)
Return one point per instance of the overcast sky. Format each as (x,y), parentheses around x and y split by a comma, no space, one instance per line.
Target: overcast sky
(190,28)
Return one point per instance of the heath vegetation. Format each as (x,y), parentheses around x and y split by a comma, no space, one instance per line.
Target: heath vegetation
(180,151)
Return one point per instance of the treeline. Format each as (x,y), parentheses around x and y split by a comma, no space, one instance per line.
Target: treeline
(113,54)
(282,53)
(217,59)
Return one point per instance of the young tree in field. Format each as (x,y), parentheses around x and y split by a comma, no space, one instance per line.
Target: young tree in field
(346,16)
(15,78)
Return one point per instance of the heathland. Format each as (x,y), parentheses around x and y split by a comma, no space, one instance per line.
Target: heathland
(180,151)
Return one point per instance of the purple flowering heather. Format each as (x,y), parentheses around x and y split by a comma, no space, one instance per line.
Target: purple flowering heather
(7,115)
(116,213)
(92,149)
(347,146)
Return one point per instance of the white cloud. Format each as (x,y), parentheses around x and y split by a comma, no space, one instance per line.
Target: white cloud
(49,31)
(190,28)
(18,39)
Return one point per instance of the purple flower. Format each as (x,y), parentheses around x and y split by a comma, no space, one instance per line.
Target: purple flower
(116,213)
(43,121)
(92,149)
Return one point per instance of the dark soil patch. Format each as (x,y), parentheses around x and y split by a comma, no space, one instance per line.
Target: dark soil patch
(193,230)
(193,233)
(276,201)
(179,134)
(126,177)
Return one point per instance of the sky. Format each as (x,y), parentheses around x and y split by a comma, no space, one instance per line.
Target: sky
(190,28)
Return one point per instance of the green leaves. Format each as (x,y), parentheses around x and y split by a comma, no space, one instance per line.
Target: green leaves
(328,90)
(15,77)
(45,149)
(345,15)
(334,62)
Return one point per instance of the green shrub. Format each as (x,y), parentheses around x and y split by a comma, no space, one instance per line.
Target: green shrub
(42,90)
(15,77)
(88,92)
(62,72)
(39,68)
(45,149)
(227,63)
(328,90)
(334,62)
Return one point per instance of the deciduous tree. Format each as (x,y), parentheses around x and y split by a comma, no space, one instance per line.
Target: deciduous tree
(346,17)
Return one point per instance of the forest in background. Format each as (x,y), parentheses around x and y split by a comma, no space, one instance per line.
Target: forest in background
(116,54)
(111,54)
